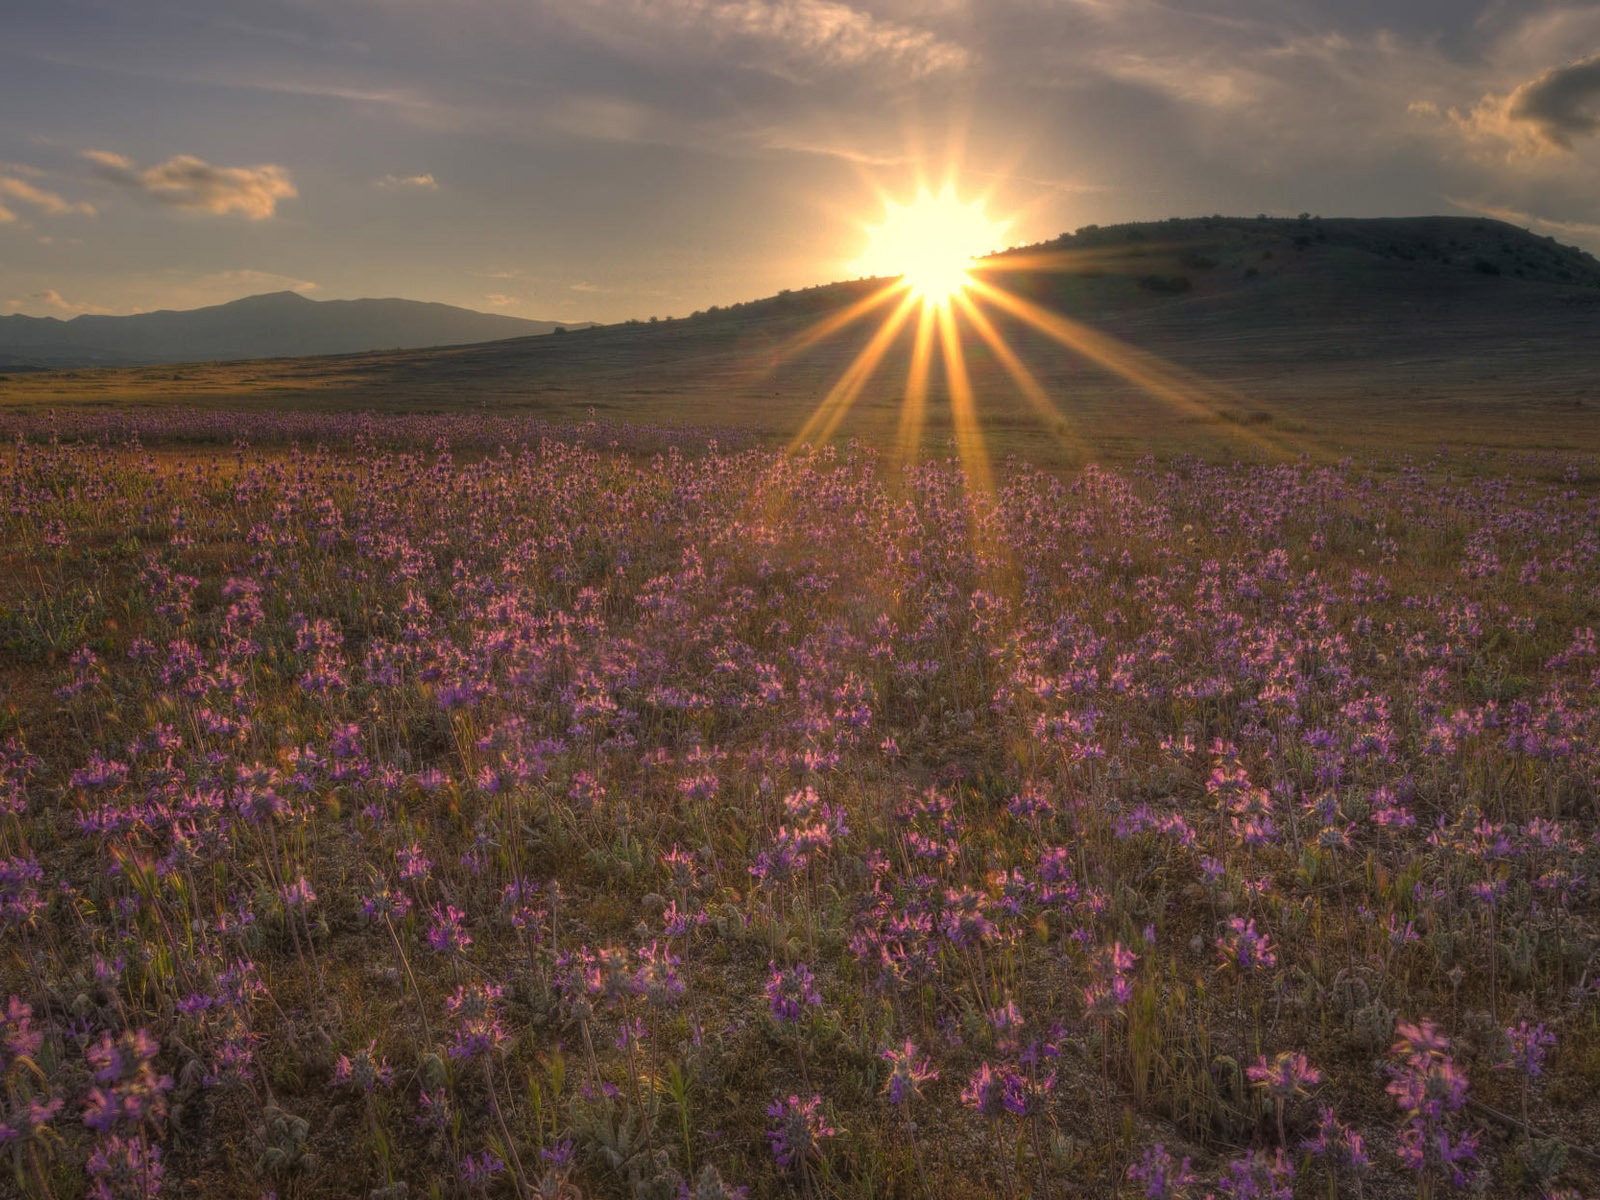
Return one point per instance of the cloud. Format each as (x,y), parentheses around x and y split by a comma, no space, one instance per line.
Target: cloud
(789,38)
(610,119)
(54,299)
(499,300)
(249,281)
(1516,216)
(194,185)
(1561,104)
(389,97)
(426,183)
(1538,118)
(48,203)
(592,288)
(108,160)
(802,141)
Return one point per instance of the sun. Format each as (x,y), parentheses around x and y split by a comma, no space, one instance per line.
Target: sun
(931,243)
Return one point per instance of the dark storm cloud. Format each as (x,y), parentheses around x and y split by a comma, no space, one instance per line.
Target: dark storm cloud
(1561,104)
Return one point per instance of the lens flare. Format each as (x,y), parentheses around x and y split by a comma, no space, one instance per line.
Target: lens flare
(931,243)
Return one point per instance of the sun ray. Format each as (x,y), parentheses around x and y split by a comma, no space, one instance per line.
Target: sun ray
(913,411)
(1166,382)
(837,403)
(1055,419)
(837,321)
(970,448)
(930,243)
(1058,262)
(991,556)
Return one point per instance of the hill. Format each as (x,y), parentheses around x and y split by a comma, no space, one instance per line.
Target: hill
(1309,332)
(279,324)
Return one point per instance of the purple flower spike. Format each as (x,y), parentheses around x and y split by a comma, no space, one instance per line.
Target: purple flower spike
(1528,1045)
(798,1130)
(1161,1176)
(907,1073)
(791,990)
(1287,1076)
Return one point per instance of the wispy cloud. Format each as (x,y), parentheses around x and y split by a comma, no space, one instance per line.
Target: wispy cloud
(49,203)
(426,183)
(55,300)
(611,119)
(248,280)
(390,97)
(1516,216)
(791,38)
(801,141)
(195,185)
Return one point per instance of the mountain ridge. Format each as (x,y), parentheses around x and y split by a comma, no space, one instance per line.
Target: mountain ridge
(283,324)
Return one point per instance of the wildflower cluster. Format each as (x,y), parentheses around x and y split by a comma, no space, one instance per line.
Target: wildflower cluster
(503,801)
(1431,1091)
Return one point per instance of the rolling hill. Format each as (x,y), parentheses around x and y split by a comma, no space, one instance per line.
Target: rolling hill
(1302,329)
(275,325)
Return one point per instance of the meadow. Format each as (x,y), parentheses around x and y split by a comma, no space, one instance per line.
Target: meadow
(479,806)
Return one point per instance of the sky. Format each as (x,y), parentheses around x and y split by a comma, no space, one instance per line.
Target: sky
(615,159)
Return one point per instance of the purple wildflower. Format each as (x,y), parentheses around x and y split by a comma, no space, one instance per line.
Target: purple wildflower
(475,1008)
(1287,1076)
(798,1130)
(1527,1045)
(1257,1177)
(478,1171)
(446,934)
(791,990)
(1430,1090)
(985,1091)
(124,1168)
(1243,947)
(364,1070)
(907,1073)
(1161,1176)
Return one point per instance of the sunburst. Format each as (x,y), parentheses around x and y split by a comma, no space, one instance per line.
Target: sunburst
(938,285)
(931,243)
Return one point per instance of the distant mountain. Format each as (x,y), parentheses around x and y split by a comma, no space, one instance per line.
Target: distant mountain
(277,325)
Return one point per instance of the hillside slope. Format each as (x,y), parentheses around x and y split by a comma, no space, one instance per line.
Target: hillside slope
(1310,329)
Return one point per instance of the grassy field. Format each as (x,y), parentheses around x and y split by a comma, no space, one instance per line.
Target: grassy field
(478,806)
(523,770)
